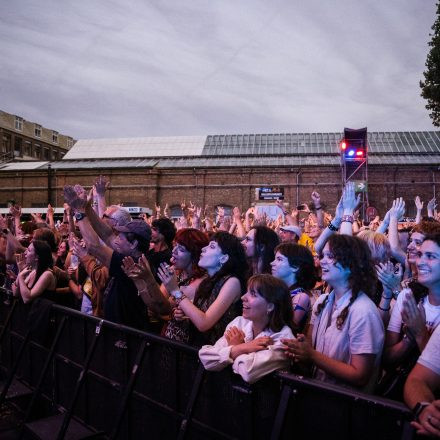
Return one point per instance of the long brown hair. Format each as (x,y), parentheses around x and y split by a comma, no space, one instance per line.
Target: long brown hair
(354,254)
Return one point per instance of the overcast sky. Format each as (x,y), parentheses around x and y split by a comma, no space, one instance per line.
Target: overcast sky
(129,68)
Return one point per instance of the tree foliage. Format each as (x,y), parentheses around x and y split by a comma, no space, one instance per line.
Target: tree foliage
(431,85)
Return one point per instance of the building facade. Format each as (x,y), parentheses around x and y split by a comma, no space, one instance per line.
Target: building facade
(225,170)
(25,140)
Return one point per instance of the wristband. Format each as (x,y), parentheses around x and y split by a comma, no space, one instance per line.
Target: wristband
(332,227)
(348,218)
(384,310)
(286,212)
(317,208)
(387,298)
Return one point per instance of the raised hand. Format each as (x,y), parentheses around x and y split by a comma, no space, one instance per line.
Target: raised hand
(349,199)
(236,214)
(167,275)
(413,316)
(50,210)
(101,185)
(21,261)
(279,204)
(418,203)
(389,276)
(75,198)
(37,217)
(130,268)
(431,207)
(316,198)
(15,211)
(397,210)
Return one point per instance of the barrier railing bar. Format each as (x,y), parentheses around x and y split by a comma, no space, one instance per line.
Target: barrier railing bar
(128,389)
(139,333)
(80,381)
(281,412)
(14,368)
(177,415)
(46,366)
(195,390)
(351,394)
(7,321)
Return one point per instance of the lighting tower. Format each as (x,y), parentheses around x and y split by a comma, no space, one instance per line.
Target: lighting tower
(354,162)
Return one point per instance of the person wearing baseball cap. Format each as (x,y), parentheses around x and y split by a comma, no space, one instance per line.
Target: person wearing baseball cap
(290,233)
(122,304)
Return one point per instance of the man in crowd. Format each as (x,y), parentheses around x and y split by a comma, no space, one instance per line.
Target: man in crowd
(122,304)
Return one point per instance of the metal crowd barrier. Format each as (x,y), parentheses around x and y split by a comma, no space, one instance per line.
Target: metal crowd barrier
(125,384)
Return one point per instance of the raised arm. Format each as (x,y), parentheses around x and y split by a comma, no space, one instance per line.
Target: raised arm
(419,207)
(101,186)
(431,207)
(316,198)
(78,201)
(330,229)
(239,224)
(396,212)
(349,202)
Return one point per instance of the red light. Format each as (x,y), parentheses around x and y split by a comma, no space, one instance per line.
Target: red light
(343,145)
(359,153)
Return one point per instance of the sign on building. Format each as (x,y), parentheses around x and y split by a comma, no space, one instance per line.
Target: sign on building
(269,193)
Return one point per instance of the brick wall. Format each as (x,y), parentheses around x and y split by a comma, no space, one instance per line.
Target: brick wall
(235,187)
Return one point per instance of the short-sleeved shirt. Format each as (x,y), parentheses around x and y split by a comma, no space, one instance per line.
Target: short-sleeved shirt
(432,314)
(361,333)
(430,357)
(122,304)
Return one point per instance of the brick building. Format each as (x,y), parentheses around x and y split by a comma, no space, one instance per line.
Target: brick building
(24,140)
(226,169)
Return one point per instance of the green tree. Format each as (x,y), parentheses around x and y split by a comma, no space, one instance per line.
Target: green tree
(431,85)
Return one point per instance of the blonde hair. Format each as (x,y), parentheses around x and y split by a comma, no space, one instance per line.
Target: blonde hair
(378,243)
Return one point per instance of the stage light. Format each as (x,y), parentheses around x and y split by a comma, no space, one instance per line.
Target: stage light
(351,153)
(343,145)
(359,153)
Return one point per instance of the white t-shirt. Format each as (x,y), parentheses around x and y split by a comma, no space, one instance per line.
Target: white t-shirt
(252,366)
(430,357)
(361,333)
(432,314)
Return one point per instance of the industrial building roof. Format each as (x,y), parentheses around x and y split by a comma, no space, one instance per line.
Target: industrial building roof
(243,150)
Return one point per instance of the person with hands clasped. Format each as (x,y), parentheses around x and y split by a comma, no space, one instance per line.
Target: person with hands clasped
(422,386)
(35,278)
(252,342)
(416,314)
(345,337)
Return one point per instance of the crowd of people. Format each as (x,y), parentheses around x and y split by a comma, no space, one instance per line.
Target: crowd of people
(340,299)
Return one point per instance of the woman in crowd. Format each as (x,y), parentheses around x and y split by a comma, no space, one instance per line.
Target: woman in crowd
(62,255)
(188,245)
(217,299)
(294,265)
(35,278)
(252,342)
(416,313)
(345,337)
(259,244)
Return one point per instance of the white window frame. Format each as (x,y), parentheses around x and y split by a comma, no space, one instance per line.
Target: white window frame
(18,123)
